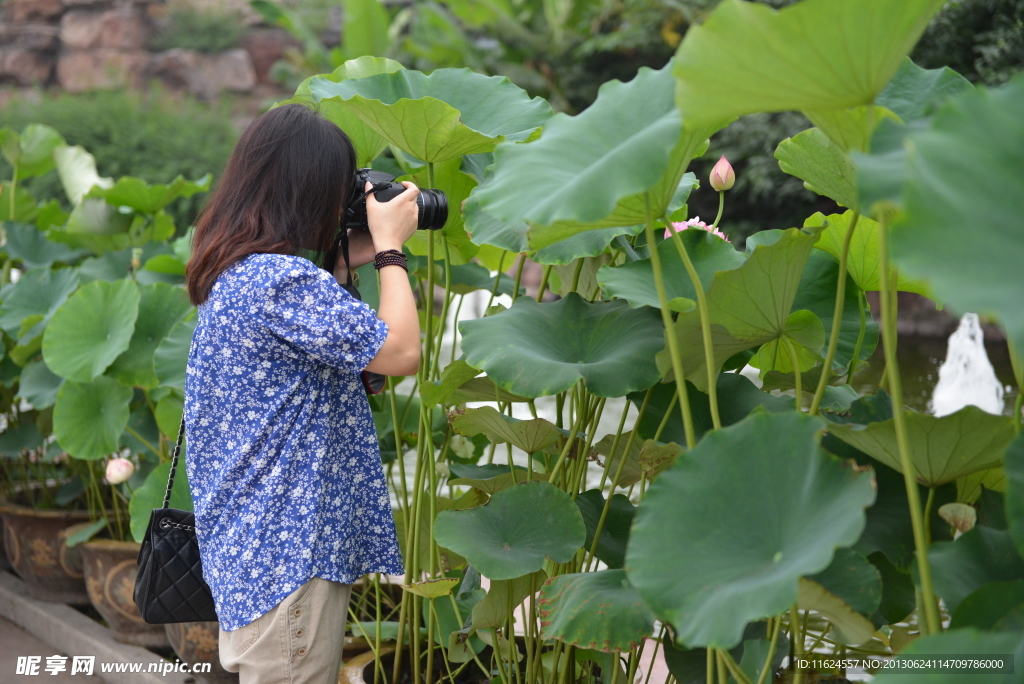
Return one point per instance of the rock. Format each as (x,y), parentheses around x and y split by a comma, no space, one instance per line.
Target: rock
(266,46)
(31,36)
(26,67)
(32,10)
(233,70)
(125,28)
(81,70)
(201,74)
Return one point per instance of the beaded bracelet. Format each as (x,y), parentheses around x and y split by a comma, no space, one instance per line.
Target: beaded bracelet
(390,257)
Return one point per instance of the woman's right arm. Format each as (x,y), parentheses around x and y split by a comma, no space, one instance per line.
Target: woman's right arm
(391,224)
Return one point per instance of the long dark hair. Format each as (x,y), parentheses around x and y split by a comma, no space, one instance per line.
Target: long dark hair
(284,190)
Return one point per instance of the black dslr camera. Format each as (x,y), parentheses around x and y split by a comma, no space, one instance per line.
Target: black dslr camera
(432,203)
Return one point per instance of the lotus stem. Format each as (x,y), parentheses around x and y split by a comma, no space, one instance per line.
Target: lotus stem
(796,638)
(723,672)
(710,676)
(497,279)
(837,318)
(544,282)
(771,652)
(721,208)
(666,318)
(576,274)
(861,309)
(14,193)
(435,370)
(519,277)
(793,359)
(576,424)
(903,445)
(734,669)
(705,325)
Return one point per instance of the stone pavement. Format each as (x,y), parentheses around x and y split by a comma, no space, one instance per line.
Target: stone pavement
(15,642)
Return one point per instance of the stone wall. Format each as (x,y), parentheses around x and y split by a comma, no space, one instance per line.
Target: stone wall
(82,45)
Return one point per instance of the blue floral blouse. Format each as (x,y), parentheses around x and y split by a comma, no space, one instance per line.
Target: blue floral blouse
(283,461)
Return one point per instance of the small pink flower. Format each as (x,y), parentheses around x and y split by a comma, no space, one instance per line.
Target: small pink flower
(722,176)
(695,222)
(119,470)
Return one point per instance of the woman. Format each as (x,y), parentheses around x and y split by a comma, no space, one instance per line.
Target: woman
(290,499)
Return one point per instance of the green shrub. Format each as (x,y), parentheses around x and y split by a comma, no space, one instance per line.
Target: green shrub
(153,136)
(202,30)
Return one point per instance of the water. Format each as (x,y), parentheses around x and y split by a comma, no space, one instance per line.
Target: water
(921,361)
(967,376)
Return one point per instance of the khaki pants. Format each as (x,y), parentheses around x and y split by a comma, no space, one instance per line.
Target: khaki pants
(298,641)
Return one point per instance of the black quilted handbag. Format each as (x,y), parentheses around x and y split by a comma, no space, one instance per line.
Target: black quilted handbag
(170,585)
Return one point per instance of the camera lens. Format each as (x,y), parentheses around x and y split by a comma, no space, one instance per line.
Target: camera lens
(433,209)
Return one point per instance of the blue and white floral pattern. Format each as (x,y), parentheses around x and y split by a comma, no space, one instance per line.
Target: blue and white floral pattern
(283,461)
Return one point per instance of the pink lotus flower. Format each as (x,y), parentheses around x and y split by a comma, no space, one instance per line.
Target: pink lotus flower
(695,222)
(722,176)
(119,470)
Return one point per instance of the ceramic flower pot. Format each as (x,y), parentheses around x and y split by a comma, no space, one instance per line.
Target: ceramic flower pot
(36,549)
(197,642)
(110,570)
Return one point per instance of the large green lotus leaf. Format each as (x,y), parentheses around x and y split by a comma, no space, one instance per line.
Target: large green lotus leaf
(737,397)
(540,349)
(447,114)
(515,531)
(822,165)
(914,93)
(803,337)
(151,495)
(171,355)
(38,385)
(28,244)
(161,307)
(990,606)
(958,644)
(941,449)
(634,280)
(853,579)
(898,594)
(492,611)
(980,556)
(529,435)
(484,229)
(816,54)
(368,143)
(1014,506)
(14,440)
(91,329)
(850,626)
(850,129)
(472,276)
(709,563)
(817,294)
(964,175)
(32,151)
(591,170)
(77,171)
(456,186)
(38,292)
(611,545)
(88,418)
(631,470)
(748,306)
(136,193)
(862,260)
(600,611)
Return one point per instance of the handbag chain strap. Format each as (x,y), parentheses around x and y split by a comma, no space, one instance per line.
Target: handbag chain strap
(174,463)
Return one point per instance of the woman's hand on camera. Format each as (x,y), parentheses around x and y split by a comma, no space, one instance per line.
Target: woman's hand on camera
(392,223)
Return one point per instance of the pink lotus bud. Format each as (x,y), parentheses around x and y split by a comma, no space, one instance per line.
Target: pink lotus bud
(119,470)
(722,176)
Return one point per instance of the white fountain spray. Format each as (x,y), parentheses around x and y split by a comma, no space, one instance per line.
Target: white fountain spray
(966,376)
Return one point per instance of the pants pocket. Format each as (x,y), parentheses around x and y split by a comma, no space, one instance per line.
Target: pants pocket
(241,639)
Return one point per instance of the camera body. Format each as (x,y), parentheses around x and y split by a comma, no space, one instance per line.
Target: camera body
(433,204)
